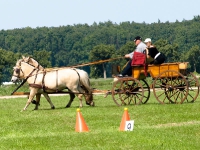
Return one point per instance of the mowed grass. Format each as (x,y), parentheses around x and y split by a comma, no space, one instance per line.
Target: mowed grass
(157,127)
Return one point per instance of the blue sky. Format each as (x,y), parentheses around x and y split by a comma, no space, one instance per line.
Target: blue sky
(55,13)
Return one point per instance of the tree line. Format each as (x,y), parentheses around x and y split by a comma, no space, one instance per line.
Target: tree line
(82,43)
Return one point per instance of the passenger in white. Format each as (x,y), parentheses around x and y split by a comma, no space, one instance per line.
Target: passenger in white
(153,55)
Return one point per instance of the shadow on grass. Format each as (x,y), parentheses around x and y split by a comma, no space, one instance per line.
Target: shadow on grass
(115,106)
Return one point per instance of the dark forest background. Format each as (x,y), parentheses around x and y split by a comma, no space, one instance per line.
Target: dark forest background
(83,43)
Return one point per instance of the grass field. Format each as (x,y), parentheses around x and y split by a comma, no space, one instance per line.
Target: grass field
(157,127)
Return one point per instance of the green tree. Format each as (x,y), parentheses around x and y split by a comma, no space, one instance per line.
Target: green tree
(125,49)
(7,62)
(193,57)
(73,41)
(100,52)
(170,50)
(43,57)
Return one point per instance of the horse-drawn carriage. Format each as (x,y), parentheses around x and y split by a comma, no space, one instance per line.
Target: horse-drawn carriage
(170,82)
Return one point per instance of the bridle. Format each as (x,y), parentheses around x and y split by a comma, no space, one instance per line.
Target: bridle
(18,70)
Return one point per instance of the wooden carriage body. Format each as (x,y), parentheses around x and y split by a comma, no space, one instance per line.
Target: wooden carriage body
(138,72)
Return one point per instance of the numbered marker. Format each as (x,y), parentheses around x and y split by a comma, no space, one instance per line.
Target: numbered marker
(129,125)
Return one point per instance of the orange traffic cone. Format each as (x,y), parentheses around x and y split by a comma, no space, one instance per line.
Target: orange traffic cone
(80,123)
(125,118)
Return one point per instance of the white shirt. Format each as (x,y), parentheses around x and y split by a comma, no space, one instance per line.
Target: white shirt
(140,48)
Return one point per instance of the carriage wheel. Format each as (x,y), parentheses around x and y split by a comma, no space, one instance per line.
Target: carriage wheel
(193,84)
(170,87)
(146,91)
(127,91)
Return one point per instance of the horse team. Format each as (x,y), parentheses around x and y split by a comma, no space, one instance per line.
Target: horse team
(43,81)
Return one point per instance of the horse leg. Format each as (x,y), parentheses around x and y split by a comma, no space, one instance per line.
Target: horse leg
(86,100)
(49,100)
(72,96)
(80,99)
(38,96)
(30,98)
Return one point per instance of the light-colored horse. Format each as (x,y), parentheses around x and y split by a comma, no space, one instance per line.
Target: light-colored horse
(82,73)
(42,82)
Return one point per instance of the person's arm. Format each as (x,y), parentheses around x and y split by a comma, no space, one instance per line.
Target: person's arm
(130,56)
(147,53)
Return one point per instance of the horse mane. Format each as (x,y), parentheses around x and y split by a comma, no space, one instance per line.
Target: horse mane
(33,62)
(24,60)
(18,63)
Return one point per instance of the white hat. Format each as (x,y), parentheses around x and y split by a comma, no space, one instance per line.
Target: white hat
(147,40)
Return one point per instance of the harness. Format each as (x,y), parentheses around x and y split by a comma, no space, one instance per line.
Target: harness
(42,86)
(57,90)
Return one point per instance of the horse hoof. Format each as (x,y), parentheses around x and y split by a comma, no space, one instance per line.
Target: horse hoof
(92,104)
(53,107)
(88,103)
(23,110)
(67,106)
(33,101)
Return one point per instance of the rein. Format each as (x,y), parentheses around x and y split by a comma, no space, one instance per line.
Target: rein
(85,64)
(96,62)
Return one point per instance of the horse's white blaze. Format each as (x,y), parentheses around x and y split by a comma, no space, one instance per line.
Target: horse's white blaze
(14,79)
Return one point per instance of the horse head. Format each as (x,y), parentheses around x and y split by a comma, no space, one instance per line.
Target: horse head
(17,71)
(22,70)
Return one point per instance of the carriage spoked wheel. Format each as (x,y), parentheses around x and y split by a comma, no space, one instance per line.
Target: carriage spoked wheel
(146,91)
(193,84)
(127,91)
(170,87)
